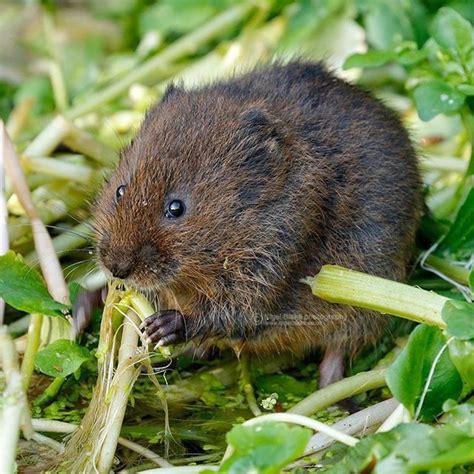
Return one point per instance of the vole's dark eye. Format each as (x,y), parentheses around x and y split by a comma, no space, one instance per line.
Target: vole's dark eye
(175,209)
(120,192)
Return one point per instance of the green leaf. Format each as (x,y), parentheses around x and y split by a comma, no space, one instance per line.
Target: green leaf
(23,288)
(265,448)
(460,237)
(453,32)
(406,449)
(461,454)
(369,59)
(387,24)
(466,89)
(408,375)
(459,316)
(437,97)
(61,358)
(462,355)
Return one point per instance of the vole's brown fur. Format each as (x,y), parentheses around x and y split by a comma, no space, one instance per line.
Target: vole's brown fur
(281,170)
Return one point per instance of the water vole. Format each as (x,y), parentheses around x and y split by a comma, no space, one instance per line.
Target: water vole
(230,194)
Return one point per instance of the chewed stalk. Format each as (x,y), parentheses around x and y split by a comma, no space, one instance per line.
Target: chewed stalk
(92,447)
(340,285)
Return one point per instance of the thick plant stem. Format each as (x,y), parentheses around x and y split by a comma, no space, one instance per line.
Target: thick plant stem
(13,406)
(10,420)
(32,344)
(340,285)
(345,388)
(182,47)
(122,383)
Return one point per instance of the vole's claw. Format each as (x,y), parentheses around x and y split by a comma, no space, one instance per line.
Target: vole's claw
(164,328)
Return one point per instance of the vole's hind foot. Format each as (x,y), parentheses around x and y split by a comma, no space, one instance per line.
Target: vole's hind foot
(164,328)
(331,368)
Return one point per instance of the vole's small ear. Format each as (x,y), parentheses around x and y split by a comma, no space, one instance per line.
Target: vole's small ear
(260,122)
(171,90)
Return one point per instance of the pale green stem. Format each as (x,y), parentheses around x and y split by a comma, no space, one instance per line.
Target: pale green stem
(340,285)
(121,386)
(55,73)
(32,344)
(456,272)
(69,240)
(60,169)
(150,69)
(247,386)
(444,163)
(50,137)
(83,142)
(10,420)
(18,118)
(50,392)
(54,426)
(345,388)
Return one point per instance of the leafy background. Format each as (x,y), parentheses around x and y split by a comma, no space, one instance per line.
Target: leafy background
(101,64)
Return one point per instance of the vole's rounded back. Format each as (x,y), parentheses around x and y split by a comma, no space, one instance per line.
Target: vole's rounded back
(233,192)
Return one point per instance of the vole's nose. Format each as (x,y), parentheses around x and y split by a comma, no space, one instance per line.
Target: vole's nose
(120,269)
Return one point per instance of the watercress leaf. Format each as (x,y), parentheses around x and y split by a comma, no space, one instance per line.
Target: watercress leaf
(459,316)
(61,358)
(265,448)
(387,24)
(462,355)
(437,97)
(460,416)
(405,449)
(23,288)
(463,453)
(460,237)
(453,32)
(408,375)
(467,89)
(370,59)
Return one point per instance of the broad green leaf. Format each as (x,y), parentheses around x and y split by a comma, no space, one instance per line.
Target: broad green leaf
(460,416)
(459,316)
(460,237)
(61,358)
(23,288)
(437,97)
(460,454)
(369,59)
(306,18)
(407,376)
(387,24)
(406,448)
(179,16)
(453,32)
(467,89)
(265,448)
(462,355)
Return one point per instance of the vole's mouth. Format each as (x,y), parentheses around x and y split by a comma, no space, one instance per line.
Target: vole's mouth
(149,278)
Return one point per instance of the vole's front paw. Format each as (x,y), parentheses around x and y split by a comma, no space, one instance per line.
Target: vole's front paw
(164,328)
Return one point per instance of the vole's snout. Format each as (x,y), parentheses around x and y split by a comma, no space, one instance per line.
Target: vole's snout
(120,269)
